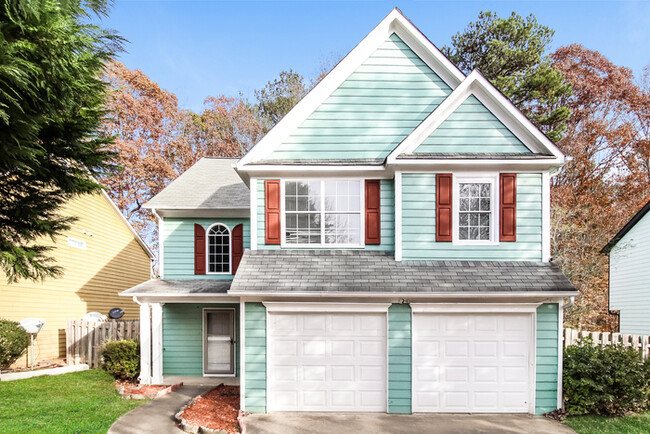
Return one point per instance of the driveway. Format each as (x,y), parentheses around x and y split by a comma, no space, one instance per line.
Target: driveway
(313,423)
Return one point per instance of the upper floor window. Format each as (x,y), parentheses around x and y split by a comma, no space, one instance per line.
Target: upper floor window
(323,212)
(474,210)
(218,239)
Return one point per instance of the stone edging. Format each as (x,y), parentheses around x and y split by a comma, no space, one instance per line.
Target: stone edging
(196,429)
(158,394)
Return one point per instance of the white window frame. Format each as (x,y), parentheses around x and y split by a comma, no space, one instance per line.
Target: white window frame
(322,244)
(479,178)
(207,249)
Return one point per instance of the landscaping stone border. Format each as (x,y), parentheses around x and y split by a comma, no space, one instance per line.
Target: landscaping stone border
(158,394)
(196,429)
(12,376)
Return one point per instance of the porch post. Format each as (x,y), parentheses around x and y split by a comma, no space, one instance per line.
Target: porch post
(145,344)
(156,344)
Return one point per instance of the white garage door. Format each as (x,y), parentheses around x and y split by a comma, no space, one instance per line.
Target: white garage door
(471,362)
(327,362)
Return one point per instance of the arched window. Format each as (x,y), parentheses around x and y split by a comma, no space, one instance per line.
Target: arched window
(218,249)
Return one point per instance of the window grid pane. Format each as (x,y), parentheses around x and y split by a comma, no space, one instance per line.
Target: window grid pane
(218,249)
(341,216)
(474,215)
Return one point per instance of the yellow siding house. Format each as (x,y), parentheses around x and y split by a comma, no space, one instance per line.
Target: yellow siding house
(101,255)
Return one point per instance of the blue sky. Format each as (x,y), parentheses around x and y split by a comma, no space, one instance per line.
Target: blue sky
(209,48)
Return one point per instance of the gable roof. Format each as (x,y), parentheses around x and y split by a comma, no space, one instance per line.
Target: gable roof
(394,23)
(628,226)
(478,86)
(210,184)
(135,234)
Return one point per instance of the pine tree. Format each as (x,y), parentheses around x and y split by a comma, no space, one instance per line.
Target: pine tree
(51,104)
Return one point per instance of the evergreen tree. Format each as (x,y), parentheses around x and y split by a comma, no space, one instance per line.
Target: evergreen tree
(51,104)
(511,53)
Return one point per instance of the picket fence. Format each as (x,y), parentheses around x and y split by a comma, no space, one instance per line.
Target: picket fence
(640,342)
(85,339)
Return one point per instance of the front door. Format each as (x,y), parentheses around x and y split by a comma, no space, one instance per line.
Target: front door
(219,342)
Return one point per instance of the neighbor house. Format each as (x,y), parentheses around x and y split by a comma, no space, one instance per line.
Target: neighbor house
(101,255)
(384,248)
(629,274)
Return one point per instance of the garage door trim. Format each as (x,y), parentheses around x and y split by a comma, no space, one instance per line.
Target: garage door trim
(469,308)
(326,307)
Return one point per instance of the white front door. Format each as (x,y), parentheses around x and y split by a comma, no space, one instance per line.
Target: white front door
(472,362)
(327,362)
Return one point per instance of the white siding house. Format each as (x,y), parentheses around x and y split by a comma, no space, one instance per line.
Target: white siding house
(629,274)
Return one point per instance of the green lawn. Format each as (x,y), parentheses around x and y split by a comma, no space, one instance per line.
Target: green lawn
(605,425)
(80,402)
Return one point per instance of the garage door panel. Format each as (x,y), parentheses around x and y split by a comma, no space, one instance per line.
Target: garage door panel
(339,362)
(471,363)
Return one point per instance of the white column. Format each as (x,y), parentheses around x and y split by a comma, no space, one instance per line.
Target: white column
(145,344)
(156,344)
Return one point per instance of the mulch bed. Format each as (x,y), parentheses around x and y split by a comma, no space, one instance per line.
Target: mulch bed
(216,410)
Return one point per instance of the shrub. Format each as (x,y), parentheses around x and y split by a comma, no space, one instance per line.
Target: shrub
(13,342)
(122,359)
(607,380)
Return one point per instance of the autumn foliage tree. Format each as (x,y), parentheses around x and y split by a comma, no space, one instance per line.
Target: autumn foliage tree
(608,179)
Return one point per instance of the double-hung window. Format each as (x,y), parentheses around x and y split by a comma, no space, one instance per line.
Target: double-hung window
(322,213)
(475,210)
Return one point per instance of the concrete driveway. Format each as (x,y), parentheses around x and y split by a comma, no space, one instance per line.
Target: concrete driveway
(335,423)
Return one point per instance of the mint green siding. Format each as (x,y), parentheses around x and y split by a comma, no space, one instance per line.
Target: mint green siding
(381,102)
(419,219)
(547,358)
(629,276)
(177,236)
(255,357)
(472,129)
(183,338)
(387,217)
(399,358)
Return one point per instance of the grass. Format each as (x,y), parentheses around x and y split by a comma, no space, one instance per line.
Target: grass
(79,402)
(609,425)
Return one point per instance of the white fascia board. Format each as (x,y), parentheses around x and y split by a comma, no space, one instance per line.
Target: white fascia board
(477,85)
(435,165)
(551,295)
(137,236)
(326,307)
(394,22)
(188,298)
(275,171)
(203,212)
(474,307)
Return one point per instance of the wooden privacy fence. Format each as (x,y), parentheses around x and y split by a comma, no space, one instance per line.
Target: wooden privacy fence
(85,339)
(639,342)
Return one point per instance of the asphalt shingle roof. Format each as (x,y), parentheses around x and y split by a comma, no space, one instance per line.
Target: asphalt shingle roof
(211,183)
(179,287)
(367,271)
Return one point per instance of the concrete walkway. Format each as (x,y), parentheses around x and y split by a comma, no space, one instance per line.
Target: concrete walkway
(316,423)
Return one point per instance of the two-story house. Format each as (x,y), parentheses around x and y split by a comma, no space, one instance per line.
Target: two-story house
(629,274)
(389,243)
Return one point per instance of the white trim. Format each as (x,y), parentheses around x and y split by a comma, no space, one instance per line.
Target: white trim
(203,339)
(474,307)
(560,352)
(322,244)
(475,178)
(242,355)
(546,217)
(161,246)
(537,164)
(414,295)
(532,372)
(398,216)
(394,22)
(156,343)
(207,249)
(145,342)
(253,213)
(139,239)
(502,108)
(325,307)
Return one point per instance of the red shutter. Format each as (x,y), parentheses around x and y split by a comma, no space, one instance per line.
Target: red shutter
(443,206)
(508,207)
(272,211)
(237,246)
(373,212)
(199,249)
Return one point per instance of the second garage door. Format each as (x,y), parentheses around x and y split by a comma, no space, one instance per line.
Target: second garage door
(327,362)
(471,362)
